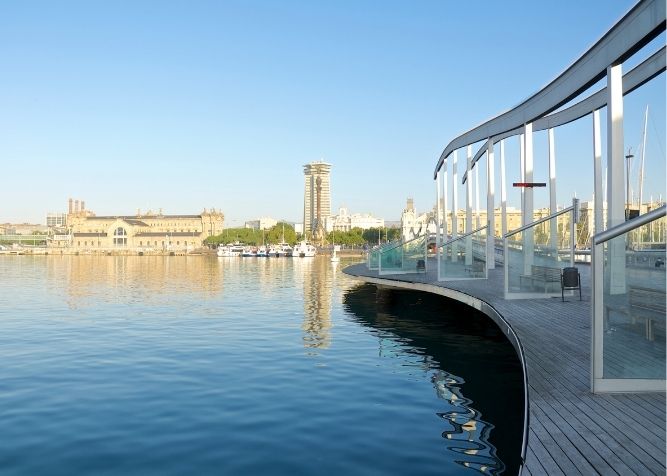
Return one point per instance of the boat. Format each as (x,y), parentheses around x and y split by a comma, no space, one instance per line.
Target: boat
(262,252)
(236,249)
(334,256)
(249,252)
(304,250)
(285,249)
(225,251)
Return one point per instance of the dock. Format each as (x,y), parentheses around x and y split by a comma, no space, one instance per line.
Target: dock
(570,430)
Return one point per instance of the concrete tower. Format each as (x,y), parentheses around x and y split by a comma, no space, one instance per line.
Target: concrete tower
(316,176)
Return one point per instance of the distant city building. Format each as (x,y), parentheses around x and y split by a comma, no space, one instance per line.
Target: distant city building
(317,196)
(148,231)
(345,221)
(298,228)
(56,220)
(23,229)
(263,223)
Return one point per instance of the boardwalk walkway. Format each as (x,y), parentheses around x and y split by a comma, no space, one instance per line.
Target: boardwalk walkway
(572,431)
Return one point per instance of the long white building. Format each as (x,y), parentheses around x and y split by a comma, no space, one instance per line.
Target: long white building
(345,221)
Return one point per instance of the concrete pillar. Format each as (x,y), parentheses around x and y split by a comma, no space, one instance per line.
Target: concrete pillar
(445,210)
(598,197)
(490,205)
(615,177)
(553,232)
(528,241)
(469,205)
(522,174)
(477,217)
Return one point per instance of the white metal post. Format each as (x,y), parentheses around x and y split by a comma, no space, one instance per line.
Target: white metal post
(615,177)
(553,238)
(438,224)
(469,228)
(490,204)
(477,220)
(598,196)
(503,190)
(455,201)
(522,175)
(528,241)
(445,210)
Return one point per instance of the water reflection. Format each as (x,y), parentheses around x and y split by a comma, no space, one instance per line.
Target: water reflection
(147,278)
(483,415)
(316,275)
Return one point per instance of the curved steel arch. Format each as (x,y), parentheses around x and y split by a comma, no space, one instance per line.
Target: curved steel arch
(640,25)
(633,79)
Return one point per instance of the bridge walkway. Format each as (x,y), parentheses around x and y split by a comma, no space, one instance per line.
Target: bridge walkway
(571,430)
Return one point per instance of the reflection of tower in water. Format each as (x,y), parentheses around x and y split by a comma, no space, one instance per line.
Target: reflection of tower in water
(317,300)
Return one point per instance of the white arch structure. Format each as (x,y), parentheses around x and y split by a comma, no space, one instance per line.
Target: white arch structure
(638,27)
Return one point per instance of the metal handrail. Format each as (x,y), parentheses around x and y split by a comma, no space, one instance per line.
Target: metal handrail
(541,220)
(464,236)
(629,225)
(401,243)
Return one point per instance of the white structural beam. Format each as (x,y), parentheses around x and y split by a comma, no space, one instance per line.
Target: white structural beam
(522,175)
(635,78)
(644,21)
(490,209)
(598,196)
(477,217)
(469,208)
(445,210)
(553,238)
(455,198)
(438,223)
(528,242)
(615,176)
(503,191)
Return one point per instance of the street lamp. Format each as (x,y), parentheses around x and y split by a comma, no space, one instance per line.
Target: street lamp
(628,162)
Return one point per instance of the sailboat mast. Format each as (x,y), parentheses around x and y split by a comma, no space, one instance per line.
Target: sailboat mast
(641,168)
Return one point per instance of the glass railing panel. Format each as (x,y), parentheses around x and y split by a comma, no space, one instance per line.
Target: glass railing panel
(464,258)
(534,258)
(373,262)
(633,304)
(408,257)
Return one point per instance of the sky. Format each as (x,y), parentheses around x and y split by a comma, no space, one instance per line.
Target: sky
(185,105)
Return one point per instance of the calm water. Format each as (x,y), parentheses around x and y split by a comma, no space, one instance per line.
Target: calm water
(196,365)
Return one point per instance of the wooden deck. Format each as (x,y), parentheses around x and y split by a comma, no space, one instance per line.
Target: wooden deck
(571,430)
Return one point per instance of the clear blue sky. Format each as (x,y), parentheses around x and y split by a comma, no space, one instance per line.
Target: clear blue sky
(186,105)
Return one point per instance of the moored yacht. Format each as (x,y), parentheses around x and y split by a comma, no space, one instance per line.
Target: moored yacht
(304,250)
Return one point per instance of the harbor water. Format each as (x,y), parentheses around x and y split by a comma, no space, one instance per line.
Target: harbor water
(202,365)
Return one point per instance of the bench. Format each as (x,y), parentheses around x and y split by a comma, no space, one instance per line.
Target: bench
(541,274)
(476,269)
(642,304)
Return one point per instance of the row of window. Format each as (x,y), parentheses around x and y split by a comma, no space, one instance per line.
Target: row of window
(123,242)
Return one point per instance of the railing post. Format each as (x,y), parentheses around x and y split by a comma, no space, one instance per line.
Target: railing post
(615,176)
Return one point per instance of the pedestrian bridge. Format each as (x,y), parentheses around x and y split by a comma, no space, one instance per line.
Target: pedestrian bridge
(595,368)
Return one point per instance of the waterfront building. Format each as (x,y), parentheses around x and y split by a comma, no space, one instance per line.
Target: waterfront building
(148,231)
(316,196)
(262,223)
(56,220)
(23,229)
(345,221)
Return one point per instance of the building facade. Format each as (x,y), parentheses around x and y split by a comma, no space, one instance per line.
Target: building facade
(345,221)
(142,232)
(262,223)
(317,195)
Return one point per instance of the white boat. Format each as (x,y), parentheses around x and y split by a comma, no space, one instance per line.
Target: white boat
(225,251)
(304,250)
(249,252)
(236,249)
(262,252)
(285,249)
(334,256)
